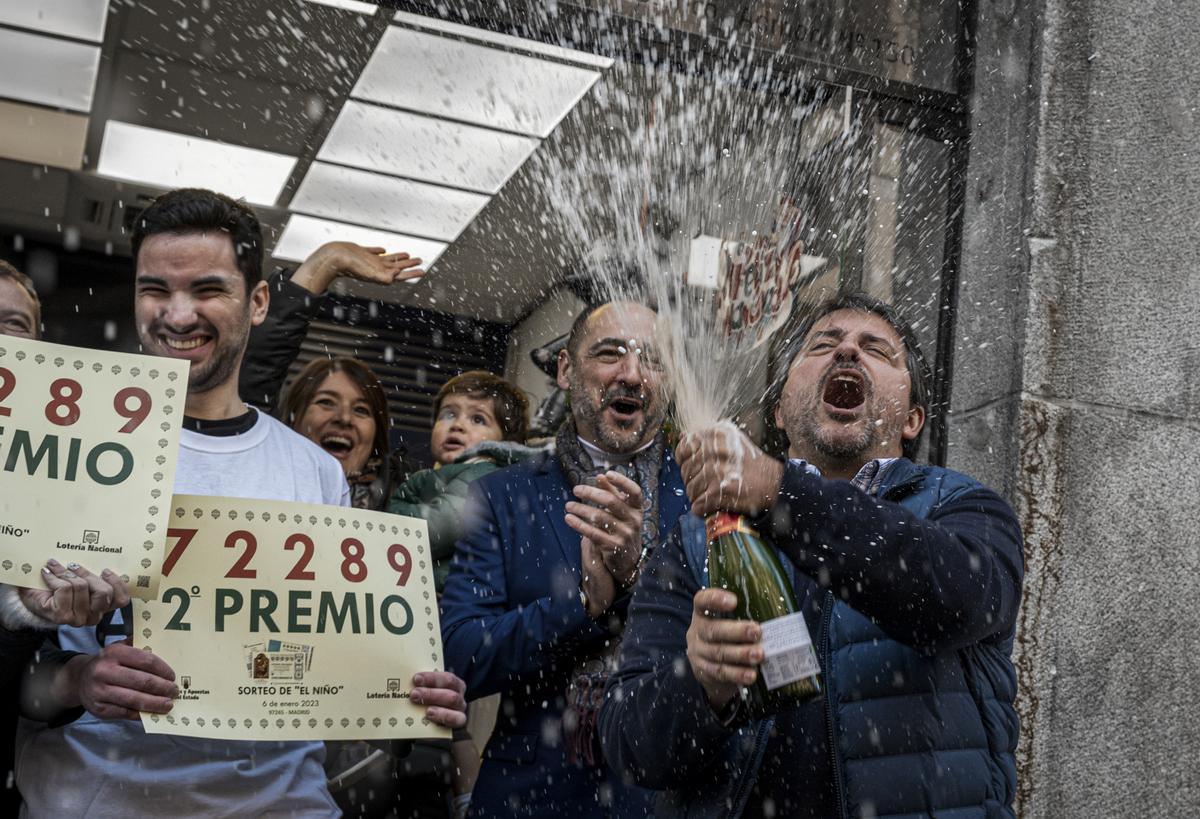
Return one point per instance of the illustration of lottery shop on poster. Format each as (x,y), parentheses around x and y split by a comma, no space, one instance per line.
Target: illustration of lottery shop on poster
(293,621)
(88,444)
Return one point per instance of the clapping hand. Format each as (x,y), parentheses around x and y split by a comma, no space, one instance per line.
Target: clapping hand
(610,518)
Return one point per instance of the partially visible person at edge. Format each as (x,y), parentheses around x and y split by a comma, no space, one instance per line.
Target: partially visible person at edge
(73,595)
(339,404)
(198,291)
(479,425)
(296,300)
(535,601)
(909,577)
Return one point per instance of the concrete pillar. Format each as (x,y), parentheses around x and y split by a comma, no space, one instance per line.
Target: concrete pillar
(1076,385)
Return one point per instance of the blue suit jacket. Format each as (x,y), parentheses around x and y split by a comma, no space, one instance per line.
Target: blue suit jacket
(513,624)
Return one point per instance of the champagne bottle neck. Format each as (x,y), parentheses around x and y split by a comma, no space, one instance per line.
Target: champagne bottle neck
(724,523)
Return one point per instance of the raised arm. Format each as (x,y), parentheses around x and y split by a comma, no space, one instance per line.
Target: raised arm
(295,301)
(275,343)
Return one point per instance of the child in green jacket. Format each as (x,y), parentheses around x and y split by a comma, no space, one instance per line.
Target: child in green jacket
(479,425)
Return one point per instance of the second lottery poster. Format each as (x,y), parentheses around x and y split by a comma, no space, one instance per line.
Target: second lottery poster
(88,442)
(293,621)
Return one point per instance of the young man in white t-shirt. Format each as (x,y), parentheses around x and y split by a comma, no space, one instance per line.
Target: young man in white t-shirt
(199,289)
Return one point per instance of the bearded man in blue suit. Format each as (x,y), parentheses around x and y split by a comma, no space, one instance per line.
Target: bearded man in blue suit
(536,599)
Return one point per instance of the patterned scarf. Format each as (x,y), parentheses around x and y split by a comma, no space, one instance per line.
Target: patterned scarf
(586,693)
(644,470)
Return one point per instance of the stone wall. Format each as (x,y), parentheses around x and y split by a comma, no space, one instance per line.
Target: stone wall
(1077,385)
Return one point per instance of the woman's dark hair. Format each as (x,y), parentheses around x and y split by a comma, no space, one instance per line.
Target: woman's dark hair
(509,403)
(919,375)
(309,380)
(196,210)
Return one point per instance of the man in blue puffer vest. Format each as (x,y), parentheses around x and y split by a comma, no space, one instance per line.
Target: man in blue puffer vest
(909,577)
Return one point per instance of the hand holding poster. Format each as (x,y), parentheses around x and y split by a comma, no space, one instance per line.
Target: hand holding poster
(88,442)
(293,621)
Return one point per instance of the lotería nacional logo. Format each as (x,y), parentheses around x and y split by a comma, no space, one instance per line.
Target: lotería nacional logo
(90,542)
(395,691)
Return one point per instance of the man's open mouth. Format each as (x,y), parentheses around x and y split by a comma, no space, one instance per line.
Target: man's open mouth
(336,445)
(845,390)
(625,407)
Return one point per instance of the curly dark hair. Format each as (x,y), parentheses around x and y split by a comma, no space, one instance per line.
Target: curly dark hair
(510,404)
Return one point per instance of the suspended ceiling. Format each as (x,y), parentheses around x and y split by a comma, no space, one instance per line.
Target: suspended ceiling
(335,119)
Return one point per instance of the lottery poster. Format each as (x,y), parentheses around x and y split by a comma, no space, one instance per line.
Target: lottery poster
(88,443)
(293,621)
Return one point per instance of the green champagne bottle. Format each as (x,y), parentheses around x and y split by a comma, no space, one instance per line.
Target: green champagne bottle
(740,560)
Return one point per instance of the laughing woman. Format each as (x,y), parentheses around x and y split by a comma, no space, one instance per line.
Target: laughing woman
(339,404)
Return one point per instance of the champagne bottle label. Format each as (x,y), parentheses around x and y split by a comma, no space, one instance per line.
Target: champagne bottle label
(788,651)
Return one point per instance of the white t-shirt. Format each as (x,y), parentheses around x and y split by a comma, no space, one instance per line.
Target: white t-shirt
(270,462)
(112,768)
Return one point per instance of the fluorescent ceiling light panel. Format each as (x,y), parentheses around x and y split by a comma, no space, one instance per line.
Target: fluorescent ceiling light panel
(501,40)
(47,70)
(471,82)
(41,136)
(419,147)
(80,19)
(349,5)
(168,160)
(304,234)
(365,198)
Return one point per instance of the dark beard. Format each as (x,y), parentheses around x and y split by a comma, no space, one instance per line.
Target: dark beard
(841,450)
(222,365)
(807,426)
(592,413)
